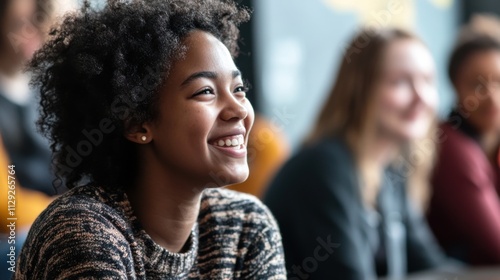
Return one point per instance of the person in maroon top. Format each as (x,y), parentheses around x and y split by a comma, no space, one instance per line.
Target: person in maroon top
(464,211)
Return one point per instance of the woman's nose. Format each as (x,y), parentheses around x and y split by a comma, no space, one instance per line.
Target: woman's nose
(233,108)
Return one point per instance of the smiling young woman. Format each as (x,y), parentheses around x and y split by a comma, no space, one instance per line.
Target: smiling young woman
(147,115)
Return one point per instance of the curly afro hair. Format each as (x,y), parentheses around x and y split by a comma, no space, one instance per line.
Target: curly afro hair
(102,69)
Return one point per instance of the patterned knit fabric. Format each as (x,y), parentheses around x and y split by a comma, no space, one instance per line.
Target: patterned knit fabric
(90,233)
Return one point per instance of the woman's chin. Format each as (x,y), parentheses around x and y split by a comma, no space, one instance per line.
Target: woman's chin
(408,136)
(415,131)
(231,176)
(239,177)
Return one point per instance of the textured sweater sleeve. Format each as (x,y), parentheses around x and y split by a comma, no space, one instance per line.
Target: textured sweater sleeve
(265,259)
(73,240)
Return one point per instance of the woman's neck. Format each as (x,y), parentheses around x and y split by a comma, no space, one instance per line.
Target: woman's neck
(373,156)
(376,150)
(166,207)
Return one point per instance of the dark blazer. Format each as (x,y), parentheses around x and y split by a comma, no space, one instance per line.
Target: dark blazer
(27,149)
(327,231)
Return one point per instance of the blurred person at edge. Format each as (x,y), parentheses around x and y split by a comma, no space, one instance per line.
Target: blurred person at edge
(343,202)
(20,36)
(27,204)
(464,211)
(23,25)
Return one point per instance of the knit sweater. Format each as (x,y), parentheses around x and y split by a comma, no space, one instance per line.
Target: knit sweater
(91,233)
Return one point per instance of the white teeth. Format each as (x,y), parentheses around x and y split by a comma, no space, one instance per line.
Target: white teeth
(230,142)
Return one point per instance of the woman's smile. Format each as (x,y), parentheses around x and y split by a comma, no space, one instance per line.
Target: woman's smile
(230,143)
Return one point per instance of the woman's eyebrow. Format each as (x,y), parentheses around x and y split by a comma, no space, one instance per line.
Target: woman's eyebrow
(207,74)
(236,74)
(203,74)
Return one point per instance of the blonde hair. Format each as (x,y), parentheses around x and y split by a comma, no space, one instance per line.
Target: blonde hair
(349,109)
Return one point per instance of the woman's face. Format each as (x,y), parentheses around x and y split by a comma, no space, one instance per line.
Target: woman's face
(204,119)
(406,92)
(478,89)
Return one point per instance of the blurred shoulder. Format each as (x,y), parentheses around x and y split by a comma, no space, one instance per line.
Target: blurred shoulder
(331,155)
(327,158)
(456,147)
(327,150)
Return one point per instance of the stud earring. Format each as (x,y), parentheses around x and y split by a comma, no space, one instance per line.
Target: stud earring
(143,138)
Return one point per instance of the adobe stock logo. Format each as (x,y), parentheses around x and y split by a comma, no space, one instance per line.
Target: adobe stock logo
(321,253)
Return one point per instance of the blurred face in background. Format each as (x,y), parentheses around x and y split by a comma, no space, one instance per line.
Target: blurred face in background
(20,32)
(406,94)
(478,88)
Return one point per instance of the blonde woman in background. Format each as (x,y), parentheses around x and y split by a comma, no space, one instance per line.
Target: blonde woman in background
(342,202)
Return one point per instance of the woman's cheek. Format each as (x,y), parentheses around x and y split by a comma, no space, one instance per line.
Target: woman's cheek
(396,99)
(251,114)
(431,98)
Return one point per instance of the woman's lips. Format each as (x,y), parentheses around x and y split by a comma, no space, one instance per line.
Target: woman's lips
(235,152)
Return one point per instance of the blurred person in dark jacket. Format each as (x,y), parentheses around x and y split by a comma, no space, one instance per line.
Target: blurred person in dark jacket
(22,28)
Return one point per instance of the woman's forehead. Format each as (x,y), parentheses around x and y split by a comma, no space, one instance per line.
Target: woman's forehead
(408,54)
(204,53)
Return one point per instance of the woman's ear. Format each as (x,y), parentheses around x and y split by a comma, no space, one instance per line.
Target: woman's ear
(138,133)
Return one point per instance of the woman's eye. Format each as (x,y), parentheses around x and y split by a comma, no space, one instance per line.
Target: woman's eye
(206,91)
(241,89)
